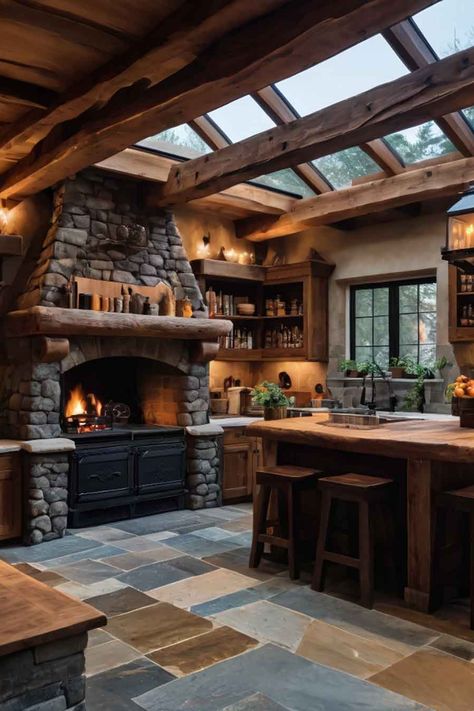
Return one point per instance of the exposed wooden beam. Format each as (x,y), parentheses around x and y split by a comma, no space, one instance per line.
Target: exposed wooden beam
(270,48)
(432,91)
(412,186)
(155,168)
(382,154)
(172,45)
(208,132)
(416,53)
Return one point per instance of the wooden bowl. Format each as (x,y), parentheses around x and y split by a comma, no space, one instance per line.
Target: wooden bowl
(246,309)
(219,405)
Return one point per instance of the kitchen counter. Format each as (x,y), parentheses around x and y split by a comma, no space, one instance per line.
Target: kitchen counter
(422,456)
(234,420)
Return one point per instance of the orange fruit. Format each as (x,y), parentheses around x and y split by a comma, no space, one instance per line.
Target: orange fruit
(459,392)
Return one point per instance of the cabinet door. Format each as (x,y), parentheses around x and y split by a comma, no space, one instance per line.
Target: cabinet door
(100,474)
(237,470)
(10,496)
(160,467)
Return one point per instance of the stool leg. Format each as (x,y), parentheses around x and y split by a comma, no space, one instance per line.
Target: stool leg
(318,578)
(366,555)
(293,526)
(471,547)
(259,524)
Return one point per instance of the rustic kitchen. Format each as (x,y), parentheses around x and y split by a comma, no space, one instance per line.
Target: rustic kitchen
(237,356)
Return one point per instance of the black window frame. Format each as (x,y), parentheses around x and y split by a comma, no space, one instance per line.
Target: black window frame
(393,311)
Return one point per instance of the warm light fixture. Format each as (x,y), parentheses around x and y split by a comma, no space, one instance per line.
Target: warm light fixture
(3,216)
(460,228)
(204,249)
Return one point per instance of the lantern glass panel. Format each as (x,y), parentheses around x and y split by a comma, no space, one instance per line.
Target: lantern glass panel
(461,231)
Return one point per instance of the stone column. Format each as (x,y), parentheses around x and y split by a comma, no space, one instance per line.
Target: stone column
(203,466)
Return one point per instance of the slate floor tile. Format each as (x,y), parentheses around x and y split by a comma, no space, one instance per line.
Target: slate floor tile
(431,677)
(108,655)
(202,651)
(48,577)
(158,522)
(237,525)
(129,560)
(267,623)
(226,602)
(140,544)
(83,592)
(238,559)
(453,645)
(339,649)
(214,533)
(283,677)
(120,601)
(87,571)
(98,636)
(148,577)
(195,566)
(51,549)
(99,552)
(113,690)
(194,545)
(224,513)
(397,634)
(161,535)
(256,702)
(104,534)
(201,588)
(157,626)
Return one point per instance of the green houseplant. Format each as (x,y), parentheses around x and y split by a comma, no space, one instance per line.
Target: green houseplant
(349,368)
(402,367)
(273,400)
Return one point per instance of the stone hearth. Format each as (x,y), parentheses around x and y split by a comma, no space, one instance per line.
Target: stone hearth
(86,214)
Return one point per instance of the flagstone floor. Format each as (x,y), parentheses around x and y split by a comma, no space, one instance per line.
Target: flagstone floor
(192,628)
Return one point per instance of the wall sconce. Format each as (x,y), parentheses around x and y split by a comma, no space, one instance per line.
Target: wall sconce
(3,217)
(204,249)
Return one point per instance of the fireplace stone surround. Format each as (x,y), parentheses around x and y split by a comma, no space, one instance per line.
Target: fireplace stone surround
(86,212)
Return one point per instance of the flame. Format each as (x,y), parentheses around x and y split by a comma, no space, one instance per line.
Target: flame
(81,404)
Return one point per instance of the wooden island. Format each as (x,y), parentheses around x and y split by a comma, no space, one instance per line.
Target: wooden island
(422,456)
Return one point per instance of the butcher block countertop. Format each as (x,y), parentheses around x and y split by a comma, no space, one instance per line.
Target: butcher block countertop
(442,440)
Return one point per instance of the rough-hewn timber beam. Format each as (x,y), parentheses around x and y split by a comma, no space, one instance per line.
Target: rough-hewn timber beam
(414,185)
(176,42)
(416,53)
(412,99)
(270,48)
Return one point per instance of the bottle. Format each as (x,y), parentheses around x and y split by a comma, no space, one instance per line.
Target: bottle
(250,340)
(219,304)
(126,300)
(146,306)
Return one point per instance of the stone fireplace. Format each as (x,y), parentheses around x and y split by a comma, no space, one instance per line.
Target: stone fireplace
(157,366)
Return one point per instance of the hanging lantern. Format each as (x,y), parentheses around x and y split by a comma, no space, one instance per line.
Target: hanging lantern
(460,231)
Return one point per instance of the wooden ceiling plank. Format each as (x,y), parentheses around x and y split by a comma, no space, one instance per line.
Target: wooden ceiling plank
(412,186)
(381,153)
(262,51)
(174,43)
(208,132)
(413,98)
(24,93)
(416,53)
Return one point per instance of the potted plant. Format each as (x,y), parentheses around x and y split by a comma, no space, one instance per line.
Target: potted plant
(401,367)
(349,368)
(415,398)
(273,400)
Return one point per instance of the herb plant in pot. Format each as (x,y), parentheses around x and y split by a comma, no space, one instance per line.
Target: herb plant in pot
(349,368)
(272,399)
(402,367)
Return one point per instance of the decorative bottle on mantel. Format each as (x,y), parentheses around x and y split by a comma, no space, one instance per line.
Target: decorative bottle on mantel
(187,307)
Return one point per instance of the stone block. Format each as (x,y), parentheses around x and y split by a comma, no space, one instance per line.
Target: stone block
(42,371)
(198,466)
(15,401)
(149,280)
(193,480)
(42,523)
(120,275)
(35,537)
(32,418)
(30,387)
(72,236)
(35,494)
(59,649)
(97,203)
(184,420)
(59,524)
(148,270)
(58,508)
(156,260)
(53,494)
(199,418)
(98,228)
(54,279)
(82,222)
(195,501)
(38,507)
(51,389)
(202,490)
(185,267)
(76,691)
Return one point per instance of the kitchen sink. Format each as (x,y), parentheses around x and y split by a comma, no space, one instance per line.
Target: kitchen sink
(358,420)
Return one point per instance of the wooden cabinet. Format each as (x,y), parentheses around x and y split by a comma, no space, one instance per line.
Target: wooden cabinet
(304,284)
(241,456)
(10,496)
(461,305)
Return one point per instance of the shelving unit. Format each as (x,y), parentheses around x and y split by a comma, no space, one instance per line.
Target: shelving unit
(457,301)
(307,282)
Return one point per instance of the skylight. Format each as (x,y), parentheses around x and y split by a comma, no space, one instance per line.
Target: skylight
(420,142)
(344,167)
(448,25)
(241,119)
(351,72)
(284,180)
(179,141)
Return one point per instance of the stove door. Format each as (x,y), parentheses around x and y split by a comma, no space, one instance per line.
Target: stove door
(160,467)
(102,473)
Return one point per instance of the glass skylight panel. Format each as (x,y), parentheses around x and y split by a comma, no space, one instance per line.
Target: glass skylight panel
(469,114)
(241,119)
(180,140)
(284,180)
(420,143)
(448,25)
(351,72)
(343,167)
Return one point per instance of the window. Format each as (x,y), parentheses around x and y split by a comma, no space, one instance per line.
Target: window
(179,141)
(420,143)
(394,319)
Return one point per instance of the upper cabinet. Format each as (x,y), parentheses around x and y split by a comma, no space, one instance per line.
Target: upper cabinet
(289,321)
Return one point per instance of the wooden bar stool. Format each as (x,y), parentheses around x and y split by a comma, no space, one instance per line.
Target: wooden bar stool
(289,482)
(457,500)
(366,491)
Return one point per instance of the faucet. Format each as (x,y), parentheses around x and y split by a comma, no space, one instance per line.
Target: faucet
(372,404)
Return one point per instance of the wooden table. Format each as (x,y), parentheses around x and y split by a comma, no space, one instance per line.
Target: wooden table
(433,454)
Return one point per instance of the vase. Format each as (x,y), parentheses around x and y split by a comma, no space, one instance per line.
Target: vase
(274,413)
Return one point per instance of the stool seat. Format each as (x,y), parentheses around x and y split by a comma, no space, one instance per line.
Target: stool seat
(462,499)
(288,482)
(366,491)
(287,472)
(358,481)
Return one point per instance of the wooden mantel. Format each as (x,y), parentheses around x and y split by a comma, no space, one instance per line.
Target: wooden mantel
(53,321)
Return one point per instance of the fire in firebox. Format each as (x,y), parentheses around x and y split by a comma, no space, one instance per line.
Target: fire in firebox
(85,413)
